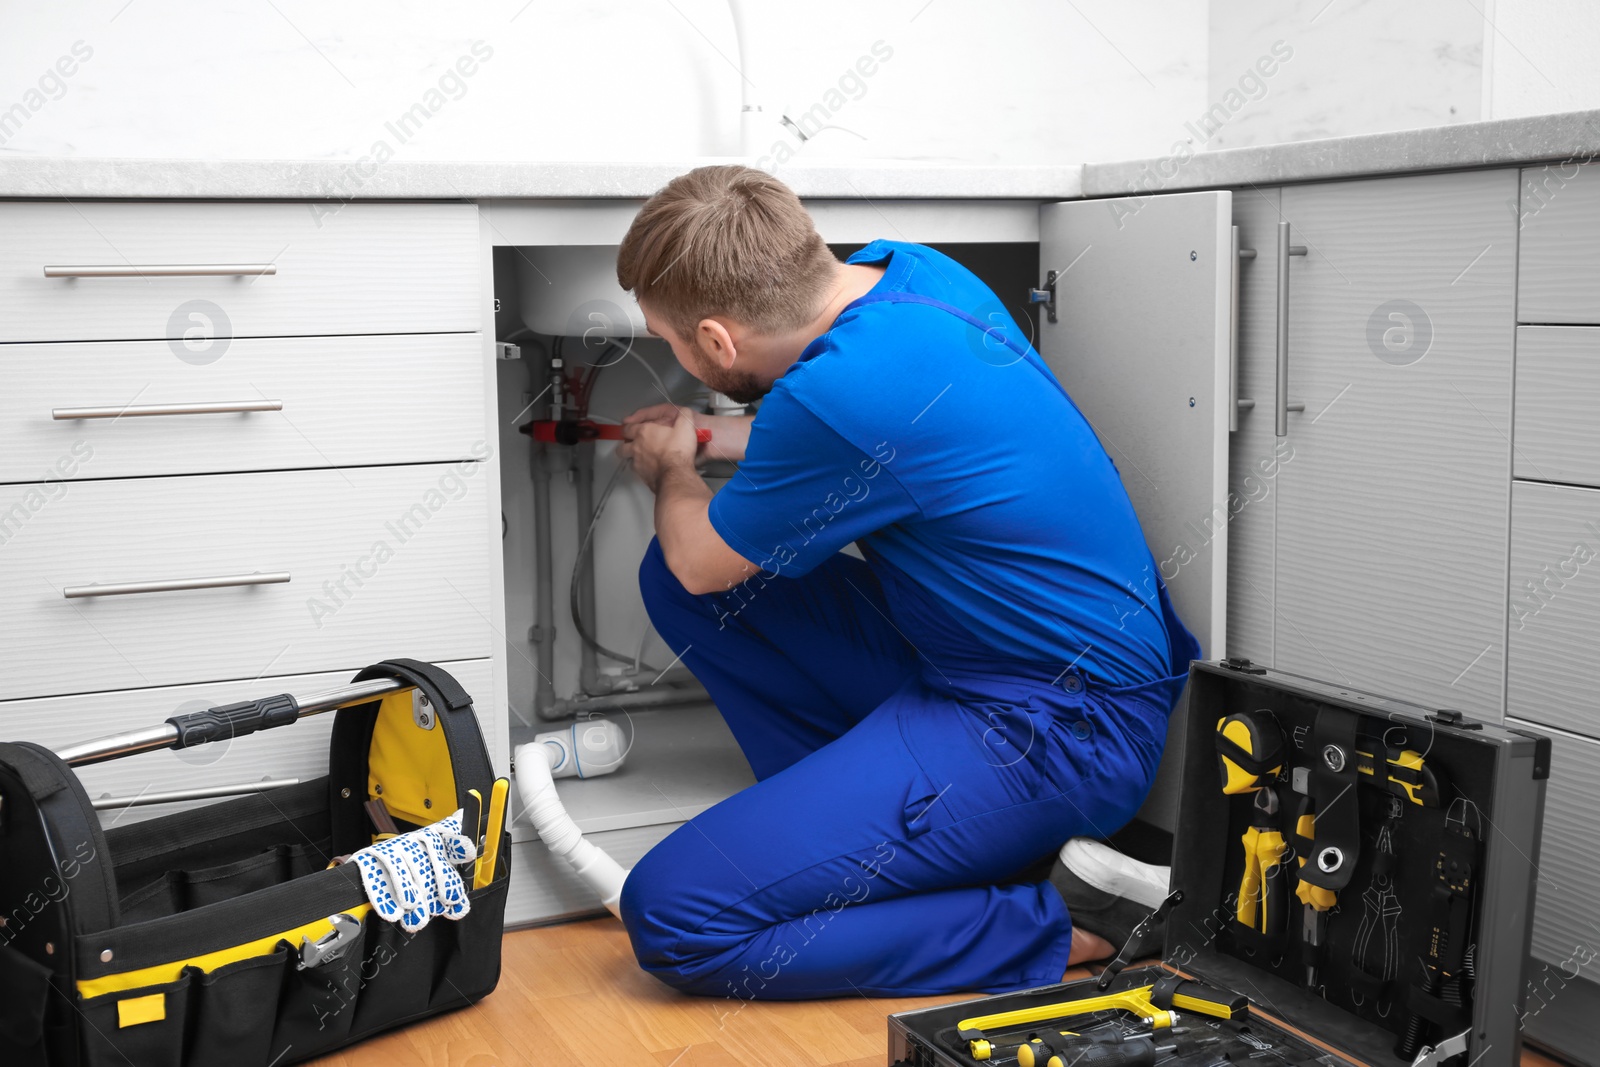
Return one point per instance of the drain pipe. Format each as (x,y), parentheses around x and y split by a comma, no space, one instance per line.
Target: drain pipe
(537,790)
(544,608)
(583,485)
(662,696)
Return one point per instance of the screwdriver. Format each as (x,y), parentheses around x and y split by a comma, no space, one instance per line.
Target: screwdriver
(1036,1050)
(576,431)
(1098,1051)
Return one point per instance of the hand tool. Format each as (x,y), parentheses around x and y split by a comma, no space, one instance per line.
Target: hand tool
(382,821)
(1405,773)
(1121,960)
(1262,893)
(491,842)
(1135,1045)
(475,818)
(1432,1056)
(1446,957)
(1139,1051)
(1375,955)
(1250,747)
(1108,1032)
(577,431)
(1154,1005)
(1317,899)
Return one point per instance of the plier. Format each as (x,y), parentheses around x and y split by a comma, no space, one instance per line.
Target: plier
(1263,896)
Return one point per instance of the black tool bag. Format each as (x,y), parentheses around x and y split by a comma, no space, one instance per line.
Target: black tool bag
(1422,828)
(221,935)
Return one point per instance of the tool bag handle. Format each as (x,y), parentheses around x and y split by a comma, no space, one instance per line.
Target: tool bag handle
(229,721)
(352,741)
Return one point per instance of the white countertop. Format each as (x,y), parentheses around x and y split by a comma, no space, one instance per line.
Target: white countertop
(276,179)
(1568,135)
(1537,138)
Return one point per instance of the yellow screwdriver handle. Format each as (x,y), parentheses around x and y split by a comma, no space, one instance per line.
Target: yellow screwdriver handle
(491,840)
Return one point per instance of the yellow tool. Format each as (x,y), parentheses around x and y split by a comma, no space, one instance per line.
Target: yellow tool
(1178,994)
(1405,773)
(1249,749)
(1261,892)
(476,815)
(484,872)
(1315,897)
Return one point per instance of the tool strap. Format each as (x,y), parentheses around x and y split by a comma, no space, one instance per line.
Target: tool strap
(1333,793)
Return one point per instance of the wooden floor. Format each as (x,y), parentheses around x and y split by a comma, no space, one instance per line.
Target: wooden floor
(573,994)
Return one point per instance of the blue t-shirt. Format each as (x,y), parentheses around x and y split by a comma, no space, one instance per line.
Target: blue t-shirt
(963,467)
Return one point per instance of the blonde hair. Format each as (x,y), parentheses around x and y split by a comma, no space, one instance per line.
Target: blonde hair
(728,241)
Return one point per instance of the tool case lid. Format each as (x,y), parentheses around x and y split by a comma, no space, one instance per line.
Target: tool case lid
(1496,780)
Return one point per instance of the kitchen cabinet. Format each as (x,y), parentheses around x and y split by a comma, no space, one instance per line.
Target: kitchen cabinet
(1255,452)
(1141,341)
(1390,541)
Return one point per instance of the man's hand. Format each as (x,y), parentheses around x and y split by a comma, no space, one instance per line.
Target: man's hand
(729,433)
(663,414)
(658,439)
(661,442)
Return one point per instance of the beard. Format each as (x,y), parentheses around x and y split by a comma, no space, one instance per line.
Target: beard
(740,386)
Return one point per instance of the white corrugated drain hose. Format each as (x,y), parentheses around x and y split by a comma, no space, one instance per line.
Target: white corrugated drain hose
(542,805)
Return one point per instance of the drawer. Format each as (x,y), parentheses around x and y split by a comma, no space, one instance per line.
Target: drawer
(1557,394)
(297,751)
(356,268)
(379,561)
(1558,265)
(1568,893)
(1553,651)
(344,401)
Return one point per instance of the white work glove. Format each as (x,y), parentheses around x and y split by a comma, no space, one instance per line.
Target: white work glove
(410,878)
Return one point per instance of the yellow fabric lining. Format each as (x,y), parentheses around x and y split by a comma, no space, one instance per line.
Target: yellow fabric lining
(407,765)
(162,973)
(136,1011)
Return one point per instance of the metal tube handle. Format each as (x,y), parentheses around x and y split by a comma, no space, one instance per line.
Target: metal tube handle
(161,270)
(1233,332)
(76,592)
(204,792)
(134,411)
(1239,255)
(1285,250)
(132,742)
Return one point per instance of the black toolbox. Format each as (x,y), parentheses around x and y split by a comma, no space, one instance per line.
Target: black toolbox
(1423,956)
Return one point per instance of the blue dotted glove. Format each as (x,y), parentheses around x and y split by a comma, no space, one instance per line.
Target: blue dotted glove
(411,878)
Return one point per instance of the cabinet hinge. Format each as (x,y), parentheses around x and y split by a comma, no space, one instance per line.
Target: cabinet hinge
(1046,296)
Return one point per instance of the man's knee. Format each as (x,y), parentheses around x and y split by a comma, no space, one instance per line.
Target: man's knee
(663,940)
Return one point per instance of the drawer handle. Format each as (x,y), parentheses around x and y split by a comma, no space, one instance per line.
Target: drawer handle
(76,592)
(162,270)
(133,411)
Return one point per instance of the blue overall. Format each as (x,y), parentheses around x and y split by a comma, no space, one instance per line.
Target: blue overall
(907,774)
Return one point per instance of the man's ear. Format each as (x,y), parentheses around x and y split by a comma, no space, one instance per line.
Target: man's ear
(717,342)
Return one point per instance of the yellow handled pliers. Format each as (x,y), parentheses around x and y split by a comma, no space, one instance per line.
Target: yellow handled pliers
(1262,896)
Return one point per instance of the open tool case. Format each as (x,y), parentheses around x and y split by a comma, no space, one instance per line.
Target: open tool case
(1413,832)
(222,934)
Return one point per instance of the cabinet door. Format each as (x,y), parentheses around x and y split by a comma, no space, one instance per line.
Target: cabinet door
(1394,497)
(1254,450)
(1141,341)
